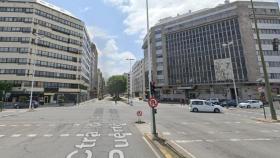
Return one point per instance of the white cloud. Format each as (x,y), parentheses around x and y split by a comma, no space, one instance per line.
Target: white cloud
(85,9)
(135,21)
(111,58)
(96,32)
(113,61)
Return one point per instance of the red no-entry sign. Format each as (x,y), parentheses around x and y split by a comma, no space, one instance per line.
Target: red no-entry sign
(139,113)
(153,102)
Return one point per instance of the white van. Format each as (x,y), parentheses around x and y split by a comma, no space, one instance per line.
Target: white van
(197,105)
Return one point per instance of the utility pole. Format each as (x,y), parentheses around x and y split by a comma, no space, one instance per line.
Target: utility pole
(153,111)
(267,84)
(233,77)
(33,61)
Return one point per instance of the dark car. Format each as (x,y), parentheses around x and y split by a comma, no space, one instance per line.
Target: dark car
(25,104)
(229,103)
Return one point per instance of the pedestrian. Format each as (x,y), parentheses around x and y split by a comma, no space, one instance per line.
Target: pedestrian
(115,100)
(181,102)
(184,102)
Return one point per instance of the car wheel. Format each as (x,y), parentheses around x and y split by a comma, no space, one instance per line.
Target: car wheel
(261,106)
(248,106)
(195,110)
(216,110)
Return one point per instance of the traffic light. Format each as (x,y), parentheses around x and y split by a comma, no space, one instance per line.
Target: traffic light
(275,44)
(153,88)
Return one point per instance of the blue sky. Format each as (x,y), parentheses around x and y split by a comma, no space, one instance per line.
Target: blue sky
(118,26)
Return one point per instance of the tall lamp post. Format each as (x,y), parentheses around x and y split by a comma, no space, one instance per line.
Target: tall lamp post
(267,84)
(233,78)
(130,75)
(33,61)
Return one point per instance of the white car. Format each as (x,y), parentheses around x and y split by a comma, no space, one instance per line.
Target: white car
(197,105)
(251,104)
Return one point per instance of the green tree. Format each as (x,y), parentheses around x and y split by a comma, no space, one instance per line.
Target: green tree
(116,85)
(4,87)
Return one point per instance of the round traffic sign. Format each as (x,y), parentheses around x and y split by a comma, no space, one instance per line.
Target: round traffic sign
(139,113)
(153,102)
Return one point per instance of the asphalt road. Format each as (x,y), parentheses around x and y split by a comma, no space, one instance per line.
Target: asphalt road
(232,134)
(97,129)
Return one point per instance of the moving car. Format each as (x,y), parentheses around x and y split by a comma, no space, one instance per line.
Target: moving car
(197,105)
(251,104)
(229,103)
(25,104)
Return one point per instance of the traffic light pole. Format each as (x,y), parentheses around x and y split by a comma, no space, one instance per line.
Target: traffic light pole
(267,84)
(154,130)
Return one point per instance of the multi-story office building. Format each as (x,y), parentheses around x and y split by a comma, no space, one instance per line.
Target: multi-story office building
(138,82)
(94,72)
(189,60)
(101,84)
(33,31)
(127,76)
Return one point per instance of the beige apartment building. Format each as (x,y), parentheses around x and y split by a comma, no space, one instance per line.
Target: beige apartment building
(187,52)
(137,79)
(35,31)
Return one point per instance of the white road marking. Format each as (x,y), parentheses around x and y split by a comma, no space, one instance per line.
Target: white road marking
(64,135)
(76,124)
(14,125)
(223,140)
(151,147)
(15,135)
(26,125)
(235,139)
(51,125)
(31,135)
(275,130)
(185,150)
(237,122)
(2,125)
(188,141)
(48,135)
(2,136)
(80,135)
(166,133)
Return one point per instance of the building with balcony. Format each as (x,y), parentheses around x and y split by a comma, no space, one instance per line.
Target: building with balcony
(33,31)
(189,60)
(138,79)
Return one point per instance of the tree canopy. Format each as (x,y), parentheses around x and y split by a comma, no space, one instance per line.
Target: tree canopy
(4,87)
(117,84)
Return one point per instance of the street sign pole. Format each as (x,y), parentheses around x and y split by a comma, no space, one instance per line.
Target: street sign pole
(154,132)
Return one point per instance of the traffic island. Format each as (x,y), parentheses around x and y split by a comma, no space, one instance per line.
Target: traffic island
(166,148)
(267,120)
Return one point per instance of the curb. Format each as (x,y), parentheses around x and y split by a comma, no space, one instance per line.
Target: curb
(267,120)
(165,148)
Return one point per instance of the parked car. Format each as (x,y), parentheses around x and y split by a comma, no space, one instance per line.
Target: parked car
(197,105)
(25,104)
(251,104)
(229,103)
(214,101)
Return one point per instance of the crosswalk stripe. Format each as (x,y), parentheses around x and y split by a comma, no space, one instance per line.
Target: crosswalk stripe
(15,135)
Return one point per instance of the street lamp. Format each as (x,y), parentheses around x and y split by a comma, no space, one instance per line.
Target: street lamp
(233,78)
(34,68)
(130,75)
